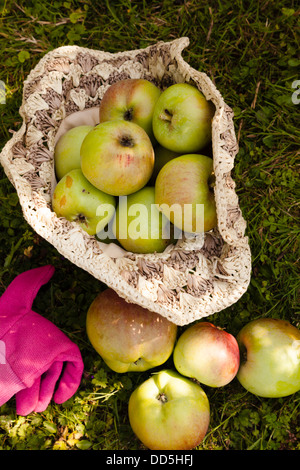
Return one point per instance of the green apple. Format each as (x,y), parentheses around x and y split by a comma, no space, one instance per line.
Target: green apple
(208,354)
(78,201)
(117,157)
(128,337)
(139,226)
(67,150)
(169,412)
(133,100)
(184,194)
(270,358)
(182,119)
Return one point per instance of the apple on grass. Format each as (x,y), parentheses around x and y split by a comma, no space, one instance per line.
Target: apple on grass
(169,412)
(117,157)
(182,119)
(184,193)
(79,201)
(67,150)
(128,337)
(132,100)
(270,358)
(139,226)
(208,354)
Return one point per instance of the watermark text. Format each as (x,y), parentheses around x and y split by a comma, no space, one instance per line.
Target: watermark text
(296,94)
(153,222)
(2,92)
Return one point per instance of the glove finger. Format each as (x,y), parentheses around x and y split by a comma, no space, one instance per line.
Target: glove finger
(70,379)
(37,397)
(27,398)
(47,386)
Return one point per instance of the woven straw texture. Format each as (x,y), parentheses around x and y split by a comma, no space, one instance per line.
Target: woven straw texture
(188,281)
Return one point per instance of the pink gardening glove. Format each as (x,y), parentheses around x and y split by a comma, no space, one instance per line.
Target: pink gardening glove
(37,361)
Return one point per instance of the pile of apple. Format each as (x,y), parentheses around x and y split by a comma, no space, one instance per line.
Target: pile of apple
(131,178)
(137,176)
(170,410)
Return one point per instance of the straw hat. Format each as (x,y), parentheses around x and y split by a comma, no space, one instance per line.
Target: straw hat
(188,281)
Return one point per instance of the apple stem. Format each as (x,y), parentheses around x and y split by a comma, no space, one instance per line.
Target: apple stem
(128,115)
(162,397)
(80,218)
(127,141)
(166,115)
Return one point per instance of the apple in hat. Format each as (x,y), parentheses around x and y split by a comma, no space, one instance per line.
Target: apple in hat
(132,100)
(117,157)
(182,119)
(270,357)
(128,337)
(208,354)
(139,226)
(169,412)
(79,201)
(67,150)
(184,193)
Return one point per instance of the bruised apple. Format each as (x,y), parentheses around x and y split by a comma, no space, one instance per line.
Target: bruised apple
(117,157)
(78,201)
(208,354)
(127,336)
(67,150)
(139,226)
(184,193)
(169,412)
(182,119)
(270,357)
(132,100)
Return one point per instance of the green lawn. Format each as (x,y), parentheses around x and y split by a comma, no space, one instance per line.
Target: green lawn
(250,49)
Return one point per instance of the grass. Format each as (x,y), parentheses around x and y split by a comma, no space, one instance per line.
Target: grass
(250,51)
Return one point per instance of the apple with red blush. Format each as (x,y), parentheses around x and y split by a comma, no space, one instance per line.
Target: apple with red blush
(128,337)
(132,100)
(117,157)
(184,193)
(208,354)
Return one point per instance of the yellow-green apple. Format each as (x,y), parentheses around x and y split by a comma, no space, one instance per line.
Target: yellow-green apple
(208,354)
(182,119)
(270,357)
(162,156)
(184,193)
(67,150)
(117,157)
(128,337)
(169,412)
(133,100)
(139,226)
(76,199)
